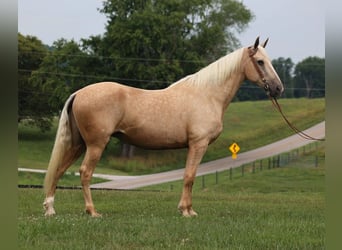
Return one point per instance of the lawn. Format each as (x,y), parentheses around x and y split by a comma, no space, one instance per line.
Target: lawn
(278,208)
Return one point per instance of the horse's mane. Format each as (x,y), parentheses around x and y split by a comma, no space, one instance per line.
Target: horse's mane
(216,72)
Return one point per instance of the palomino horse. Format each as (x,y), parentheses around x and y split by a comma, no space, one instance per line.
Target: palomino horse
(189,113)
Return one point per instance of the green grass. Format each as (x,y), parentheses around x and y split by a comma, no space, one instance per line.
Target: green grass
(278,208)
(250,124)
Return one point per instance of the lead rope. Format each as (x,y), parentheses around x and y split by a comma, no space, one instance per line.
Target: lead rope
(296,130)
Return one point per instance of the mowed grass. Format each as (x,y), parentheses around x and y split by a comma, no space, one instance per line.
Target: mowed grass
(279,208)
(250,124)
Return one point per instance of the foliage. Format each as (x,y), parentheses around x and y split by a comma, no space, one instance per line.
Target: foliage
(310,77)
(284,68)
(32,103)
(157,42)
(55,76)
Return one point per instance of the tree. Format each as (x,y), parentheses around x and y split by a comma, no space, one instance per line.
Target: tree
(310,77)
(284,68)
(249,91)
(158,42)
(63,71)
(31,102)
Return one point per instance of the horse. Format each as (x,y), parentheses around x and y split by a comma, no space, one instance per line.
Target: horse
(186,114)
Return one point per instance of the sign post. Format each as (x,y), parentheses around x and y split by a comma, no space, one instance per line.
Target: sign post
(234,148)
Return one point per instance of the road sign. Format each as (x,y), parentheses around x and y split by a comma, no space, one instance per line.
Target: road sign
(234,148)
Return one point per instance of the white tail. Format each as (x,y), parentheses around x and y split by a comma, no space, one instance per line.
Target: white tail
(63,142)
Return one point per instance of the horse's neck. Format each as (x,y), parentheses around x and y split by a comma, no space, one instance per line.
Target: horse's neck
(224,93)
(217,95)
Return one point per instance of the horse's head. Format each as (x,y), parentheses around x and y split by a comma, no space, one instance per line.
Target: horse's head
(259,69)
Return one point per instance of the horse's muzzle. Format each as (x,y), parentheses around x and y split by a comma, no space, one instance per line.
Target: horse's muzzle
(273,90)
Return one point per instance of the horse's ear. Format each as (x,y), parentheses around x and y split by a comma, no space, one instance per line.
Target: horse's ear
(256,44)
(265,43)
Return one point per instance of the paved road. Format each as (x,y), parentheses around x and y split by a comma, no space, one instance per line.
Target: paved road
(287,144)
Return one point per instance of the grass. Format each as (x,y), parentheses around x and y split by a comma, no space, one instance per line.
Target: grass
(280,208)
(250,124)
(136,220)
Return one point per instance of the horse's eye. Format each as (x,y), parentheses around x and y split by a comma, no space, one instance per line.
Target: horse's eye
(261,62)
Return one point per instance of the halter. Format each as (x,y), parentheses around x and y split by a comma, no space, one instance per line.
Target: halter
(257,68)
(275,102)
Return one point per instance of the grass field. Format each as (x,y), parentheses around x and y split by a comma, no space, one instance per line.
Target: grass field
(250,124)
(280,208)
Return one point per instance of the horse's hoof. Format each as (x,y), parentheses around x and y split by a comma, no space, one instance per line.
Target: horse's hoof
(50,213)
(192,212)
(188,212)
(96,215)
(93,213)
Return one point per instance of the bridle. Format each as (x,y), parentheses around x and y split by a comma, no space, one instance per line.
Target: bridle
(252,52)
(275,103)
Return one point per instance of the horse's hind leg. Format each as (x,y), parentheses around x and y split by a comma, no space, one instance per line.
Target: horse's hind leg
(70,156)
(91,158)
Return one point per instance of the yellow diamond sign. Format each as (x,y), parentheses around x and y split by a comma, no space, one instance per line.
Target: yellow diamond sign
(234,148)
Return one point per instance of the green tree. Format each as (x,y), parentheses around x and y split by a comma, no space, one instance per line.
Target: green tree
(248,91)
(31,102)
(310,78)
(158,42)
(284,68)
(63,71)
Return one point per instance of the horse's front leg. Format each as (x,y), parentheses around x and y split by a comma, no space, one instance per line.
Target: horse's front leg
(195,154)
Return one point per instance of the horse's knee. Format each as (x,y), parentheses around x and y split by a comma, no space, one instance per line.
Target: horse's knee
(189,179)
(85,174)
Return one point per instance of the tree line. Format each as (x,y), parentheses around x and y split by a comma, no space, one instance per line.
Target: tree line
(147,44)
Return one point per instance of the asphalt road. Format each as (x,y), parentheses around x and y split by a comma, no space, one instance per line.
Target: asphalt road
(287,144)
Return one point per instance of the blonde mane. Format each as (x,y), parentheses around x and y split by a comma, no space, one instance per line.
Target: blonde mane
(216,72)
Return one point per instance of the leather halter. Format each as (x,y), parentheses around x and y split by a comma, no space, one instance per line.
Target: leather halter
(252,52)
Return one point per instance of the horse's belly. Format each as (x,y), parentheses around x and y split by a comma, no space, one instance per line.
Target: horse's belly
(153,140)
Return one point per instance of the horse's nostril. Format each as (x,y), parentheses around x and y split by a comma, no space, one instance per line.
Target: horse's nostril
(278,89)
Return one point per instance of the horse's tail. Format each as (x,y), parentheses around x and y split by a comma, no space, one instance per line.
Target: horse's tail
(63,142)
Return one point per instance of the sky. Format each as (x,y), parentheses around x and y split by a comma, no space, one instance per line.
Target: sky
(296,28)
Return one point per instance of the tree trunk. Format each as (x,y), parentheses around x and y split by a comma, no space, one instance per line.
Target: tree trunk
(308,87)
(127,150)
